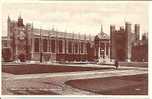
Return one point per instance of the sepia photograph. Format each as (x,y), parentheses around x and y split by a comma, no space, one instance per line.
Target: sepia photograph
(75,48)
(75,98)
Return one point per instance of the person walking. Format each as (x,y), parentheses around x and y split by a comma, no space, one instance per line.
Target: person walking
(116,64)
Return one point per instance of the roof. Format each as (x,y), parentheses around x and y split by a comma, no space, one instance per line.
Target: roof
(59,34)
(103,36)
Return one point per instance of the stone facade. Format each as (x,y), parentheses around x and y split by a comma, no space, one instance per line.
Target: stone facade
(48,45)
(125,43)
(102,46)
(52,45)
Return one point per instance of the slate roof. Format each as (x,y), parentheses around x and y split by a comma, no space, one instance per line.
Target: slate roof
(59,34)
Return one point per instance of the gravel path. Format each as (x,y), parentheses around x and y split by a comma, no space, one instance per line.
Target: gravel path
(54,83)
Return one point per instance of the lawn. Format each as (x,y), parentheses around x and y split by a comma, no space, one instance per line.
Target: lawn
(124,85)
(37,68)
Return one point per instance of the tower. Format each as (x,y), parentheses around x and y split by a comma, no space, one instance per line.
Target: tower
(20,21)
(112,42)
(8,25)
(28,39)
(128,41)
(8,30)
(137,32)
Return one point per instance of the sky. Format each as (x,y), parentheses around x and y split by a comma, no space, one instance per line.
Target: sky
(76,16)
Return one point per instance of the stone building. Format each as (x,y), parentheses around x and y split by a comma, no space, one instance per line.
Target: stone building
(48,45)
(125,43)
(140,49)
(52,45)
(102,46)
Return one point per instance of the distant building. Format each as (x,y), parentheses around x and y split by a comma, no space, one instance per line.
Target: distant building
(102,45)
(52,45)
(126,46)
(48,45)
(140,49)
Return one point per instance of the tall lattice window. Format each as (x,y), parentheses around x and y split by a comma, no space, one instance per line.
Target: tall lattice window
(82,47)
(53,46)
(70,47)
(36,44)
(76,47)
(45,45)
(60,46)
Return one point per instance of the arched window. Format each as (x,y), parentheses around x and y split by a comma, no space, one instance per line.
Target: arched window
(70,47)
(60,46)
(82,47)
(45,45)
(36,44)
(53,46)
(76,47)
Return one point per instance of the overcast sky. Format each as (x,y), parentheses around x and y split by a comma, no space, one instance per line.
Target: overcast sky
(83,17)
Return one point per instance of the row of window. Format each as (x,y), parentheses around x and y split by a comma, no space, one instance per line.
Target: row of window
(51,46)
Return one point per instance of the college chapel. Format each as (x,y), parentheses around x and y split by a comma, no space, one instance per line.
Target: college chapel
(38,44)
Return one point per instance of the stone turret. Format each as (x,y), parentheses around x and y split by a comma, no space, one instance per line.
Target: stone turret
(20,21)
(128,41)
(137,32)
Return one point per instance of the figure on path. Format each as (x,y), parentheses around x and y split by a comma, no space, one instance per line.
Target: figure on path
(116,64)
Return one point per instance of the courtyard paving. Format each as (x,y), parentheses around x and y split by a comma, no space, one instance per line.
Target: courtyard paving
(54,83)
